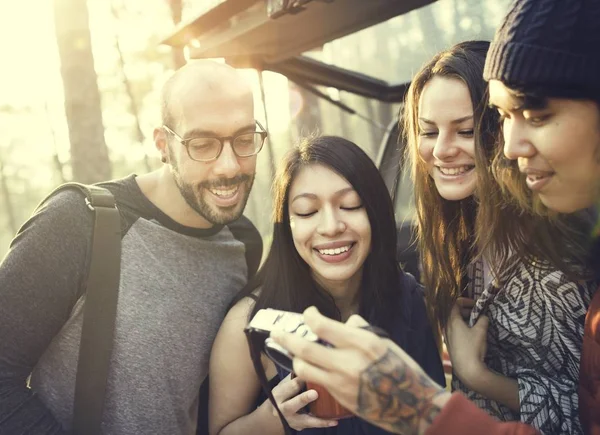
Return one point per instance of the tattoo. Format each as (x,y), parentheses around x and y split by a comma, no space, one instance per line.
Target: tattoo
(397,397)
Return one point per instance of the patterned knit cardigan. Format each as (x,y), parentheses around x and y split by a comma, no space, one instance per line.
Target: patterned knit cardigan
(535,337)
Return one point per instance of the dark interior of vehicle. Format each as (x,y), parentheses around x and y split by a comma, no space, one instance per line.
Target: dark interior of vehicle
(391,163)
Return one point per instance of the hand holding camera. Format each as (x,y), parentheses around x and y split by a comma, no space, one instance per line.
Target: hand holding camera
(321,407)
(258,332)
(292,397)
(352,368)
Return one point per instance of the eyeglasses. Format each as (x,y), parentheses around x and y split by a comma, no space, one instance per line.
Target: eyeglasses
(206,149)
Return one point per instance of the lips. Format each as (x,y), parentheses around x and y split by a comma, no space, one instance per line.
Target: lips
(227,192)
(225,196)
(333,245)
(537,178)
(454,171)
(334,252)
(536,173)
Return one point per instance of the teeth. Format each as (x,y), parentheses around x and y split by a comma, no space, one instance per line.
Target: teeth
(454,171)
(335,251)
(224,192)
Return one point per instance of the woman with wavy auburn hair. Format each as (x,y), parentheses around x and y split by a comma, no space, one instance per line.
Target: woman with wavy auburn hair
(445,205)
(483,257)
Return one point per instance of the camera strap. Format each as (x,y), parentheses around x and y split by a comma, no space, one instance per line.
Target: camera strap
(255,346)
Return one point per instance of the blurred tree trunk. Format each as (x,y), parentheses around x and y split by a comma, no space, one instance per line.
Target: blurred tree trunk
(344,127)
(308,120)
(8,205)
(133,106)
(383,113)
(89,154)
(58,165)
(176,11)
(479,23)
(269,144)
(427,22)
(456,20)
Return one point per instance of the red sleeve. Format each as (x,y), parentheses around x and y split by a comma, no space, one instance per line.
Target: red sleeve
(589,375)
(460,416)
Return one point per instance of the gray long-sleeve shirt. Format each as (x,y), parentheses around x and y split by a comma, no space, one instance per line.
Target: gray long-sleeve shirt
(176,284)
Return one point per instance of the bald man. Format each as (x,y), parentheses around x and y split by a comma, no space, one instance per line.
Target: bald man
(186,251)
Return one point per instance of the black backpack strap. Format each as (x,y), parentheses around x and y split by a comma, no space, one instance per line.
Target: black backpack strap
(99,311)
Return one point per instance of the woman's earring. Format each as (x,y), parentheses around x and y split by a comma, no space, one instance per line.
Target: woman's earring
(163,159)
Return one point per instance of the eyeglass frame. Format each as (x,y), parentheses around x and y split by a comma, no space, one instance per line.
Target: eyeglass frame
(264,134)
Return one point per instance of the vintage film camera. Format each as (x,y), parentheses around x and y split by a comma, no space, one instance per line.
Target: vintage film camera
(258,330)
(269,320)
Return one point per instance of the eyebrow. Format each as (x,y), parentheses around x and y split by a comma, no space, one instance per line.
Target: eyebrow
(518,107)
(523,103)
(456,121)
(313,196)
(198,132)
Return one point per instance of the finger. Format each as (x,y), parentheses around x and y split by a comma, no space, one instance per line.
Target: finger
(306,421)
(287,388)
(296,403)
(334,332)
(312,373)
(315,353)
(356,321)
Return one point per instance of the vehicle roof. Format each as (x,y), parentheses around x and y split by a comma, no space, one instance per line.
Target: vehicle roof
(241,32)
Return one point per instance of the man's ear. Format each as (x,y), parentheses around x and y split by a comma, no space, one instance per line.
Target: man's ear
(160,142)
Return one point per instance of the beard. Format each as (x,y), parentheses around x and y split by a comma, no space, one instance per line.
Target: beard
(194,196)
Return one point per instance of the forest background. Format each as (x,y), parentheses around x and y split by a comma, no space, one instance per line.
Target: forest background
(80,84)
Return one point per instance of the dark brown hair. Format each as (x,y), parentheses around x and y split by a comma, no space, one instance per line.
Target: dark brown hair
(285,280)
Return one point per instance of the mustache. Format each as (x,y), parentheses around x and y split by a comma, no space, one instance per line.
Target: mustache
(225,182)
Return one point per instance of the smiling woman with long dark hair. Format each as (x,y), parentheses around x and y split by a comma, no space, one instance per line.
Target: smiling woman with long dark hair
(334,247)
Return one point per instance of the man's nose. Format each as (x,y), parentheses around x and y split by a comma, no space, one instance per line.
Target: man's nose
(227,165)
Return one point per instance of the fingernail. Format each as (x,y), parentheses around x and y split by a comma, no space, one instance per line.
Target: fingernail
(332,423)
(313,395)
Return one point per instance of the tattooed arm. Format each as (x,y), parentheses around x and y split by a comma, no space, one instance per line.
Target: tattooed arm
(379,382)
(372,377)
(397,397)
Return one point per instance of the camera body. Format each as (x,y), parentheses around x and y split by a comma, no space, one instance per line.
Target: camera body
(258,331)
(268,320)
